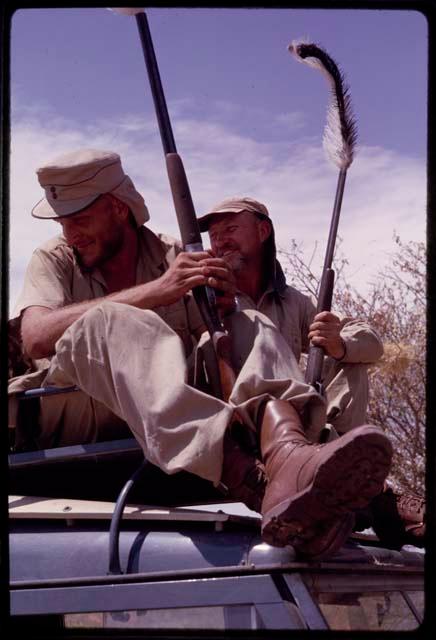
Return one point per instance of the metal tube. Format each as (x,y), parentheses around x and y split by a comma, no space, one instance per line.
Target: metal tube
(188,224)
(163,118)
(335,219)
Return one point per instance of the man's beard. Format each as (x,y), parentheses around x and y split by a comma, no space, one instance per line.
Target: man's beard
(108,249)
(235,260)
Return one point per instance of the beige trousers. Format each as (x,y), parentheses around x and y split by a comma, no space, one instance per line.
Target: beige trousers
(132,369)
(346,392)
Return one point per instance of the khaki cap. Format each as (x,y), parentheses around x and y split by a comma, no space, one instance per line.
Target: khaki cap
(239,204)
(233,205)
(74,180)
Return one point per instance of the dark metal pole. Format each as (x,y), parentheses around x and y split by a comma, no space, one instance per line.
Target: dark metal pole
(335,219)
(187,220)
(315,358)
(160,105)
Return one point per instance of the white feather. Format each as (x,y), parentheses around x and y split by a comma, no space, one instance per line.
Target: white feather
(335,145)
(339,136)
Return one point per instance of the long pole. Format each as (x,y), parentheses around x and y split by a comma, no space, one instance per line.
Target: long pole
(340,137)
(315,359)
(184,207)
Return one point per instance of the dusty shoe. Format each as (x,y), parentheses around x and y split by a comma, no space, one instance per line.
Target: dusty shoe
(325,539)
(243,476)
(398,518)
(309,483)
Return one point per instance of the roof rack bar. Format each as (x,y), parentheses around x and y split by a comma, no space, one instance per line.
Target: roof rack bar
(72,452)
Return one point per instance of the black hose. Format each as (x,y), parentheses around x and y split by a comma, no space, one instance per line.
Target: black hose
(114,531)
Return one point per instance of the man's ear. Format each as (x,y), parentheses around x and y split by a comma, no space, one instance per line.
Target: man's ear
(264,229)
(120,208)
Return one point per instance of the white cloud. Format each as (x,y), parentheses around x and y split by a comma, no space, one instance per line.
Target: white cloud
(293,121)
(384,191)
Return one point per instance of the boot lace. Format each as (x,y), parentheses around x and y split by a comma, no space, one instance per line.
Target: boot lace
(411,506)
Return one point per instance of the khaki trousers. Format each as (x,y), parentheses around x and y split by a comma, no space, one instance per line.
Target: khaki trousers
(132,368)
(346,392)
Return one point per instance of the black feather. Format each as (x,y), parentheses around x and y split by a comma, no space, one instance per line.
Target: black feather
(340,145)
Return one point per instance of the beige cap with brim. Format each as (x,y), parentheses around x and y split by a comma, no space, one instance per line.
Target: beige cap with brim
(75,180)
(232,205)
(238,204)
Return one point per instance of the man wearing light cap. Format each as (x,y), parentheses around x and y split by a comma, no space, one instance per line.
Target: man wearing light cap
(351,344)
(241,232)
(104,258)
(107,307)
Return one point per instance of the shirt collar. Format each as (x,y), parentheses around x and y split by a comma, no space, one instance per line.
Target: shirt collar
(276,284)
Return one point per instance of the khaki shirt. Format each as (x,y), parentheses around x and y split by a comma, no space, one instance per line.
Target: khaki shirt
(54,279)
(292,313)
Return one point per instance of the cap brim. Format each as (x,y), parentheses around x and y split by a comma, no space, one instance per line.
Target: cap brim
(204,221)
(43,209)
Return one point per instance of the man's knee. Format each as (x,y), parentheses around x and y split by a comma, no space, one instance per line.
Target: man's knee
(346,390)
(351,375)
(104,313)
(114,318)
(248,317)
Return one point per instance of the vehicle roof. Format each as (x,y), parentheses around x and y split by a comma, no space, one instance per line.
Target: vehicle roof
(60,523)
(70,539)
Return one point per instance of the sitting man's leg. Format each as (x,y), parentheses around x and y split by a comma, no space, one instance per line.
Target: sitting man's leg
(122,357)
(76,418)
(132,362)
(346,390)
(311,489)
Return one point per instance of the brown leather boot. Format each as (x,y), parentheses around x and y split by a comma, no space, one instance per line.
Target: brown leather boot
(244,480)
(243,475)
(324,539)
(309,484)
(398,518)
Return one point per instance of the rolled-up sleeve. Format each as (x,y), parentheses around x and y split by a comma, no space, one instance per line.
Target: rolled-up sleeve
(362,342)
(47,282)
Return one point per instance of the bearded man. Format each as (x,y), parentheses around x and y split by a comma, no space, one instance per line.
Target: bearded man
(241,233)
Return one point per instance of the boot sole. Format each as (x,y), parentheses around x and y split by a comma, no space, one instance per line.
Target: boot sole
(347,480)
(329,538)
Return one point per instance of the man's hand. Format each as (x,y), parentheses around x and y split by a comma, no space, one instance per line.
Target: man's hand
(42,327)
(325,332)
(190,270)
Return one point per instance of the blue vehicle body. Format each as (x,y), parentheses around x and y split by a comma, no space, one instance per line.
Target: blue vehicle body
(91,549)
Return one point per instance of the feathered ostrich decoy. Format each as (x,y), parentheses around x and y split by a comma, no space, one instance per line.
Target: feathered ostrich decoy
(339,140)
(340,133)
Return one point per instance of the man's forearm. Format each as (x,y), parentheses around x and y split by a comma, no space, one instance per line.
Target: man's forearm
(362,343)
(41,328)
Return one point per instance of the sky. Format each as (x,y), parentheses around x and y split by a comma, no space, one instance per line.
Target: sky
(248,119)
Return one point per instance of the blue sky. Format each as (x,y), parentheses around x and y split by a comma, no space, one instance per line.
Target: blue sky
(247,118)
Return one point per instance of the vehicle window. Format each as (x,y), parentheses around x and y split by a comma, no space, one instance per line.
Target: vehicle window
(217,618)
(417,599)
(387,611)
